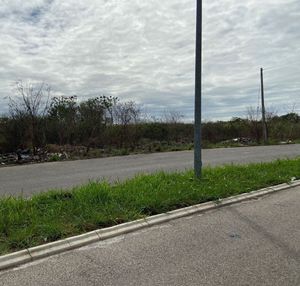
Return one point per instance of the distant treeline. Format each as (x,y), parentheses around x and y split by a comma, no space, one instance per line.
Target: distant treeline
(36,120)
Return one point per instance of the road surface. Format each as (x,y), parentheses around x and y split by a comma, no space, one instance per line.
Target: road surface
(29,179)
(252,243)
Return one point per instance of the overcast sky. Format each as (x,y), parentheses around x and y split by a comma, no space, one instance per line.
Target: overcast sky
(144,51)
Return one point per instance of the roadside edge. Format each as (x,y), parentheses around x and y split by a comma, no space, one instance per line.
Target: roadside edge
(34,253)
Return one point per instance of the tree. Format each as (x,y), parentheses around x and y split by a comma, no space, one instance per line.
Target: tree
(254,123)
(62,116)
(125,114)
(29,106)
(172,116)
(94,115)
(109,103)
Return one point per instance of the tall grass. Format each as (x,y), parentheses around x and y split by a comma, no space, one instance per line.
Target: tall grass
(58,214)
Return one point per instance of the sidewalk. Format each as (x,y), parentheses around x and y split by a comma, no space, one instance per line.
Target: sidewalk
(252,243)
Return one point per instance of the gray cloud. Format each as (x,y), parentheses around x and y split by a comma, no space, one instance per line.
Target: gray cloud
(144,51)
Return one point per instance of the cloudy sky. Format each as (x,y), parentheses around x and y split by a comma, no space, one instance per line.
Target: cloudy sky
(144,51)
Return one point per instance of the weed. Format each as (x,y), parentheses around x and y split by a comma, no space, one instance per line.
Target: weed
(58,214)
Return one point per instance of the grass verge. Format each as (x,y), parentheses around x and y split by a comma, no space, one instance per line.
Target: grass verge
(58,214)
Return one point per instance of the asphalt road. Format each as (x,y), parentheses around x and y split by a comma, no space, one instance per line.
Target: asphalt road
(29,179)
(256,242)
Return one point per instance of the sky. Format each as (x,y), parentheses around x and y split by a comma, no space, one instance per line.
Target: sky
(145,51)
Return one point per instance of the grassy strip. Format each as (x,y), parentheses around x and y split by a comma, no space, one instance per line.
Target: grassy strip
(58,214)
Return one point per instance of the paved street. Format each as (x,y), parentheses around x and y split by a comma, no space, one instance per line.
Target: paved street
(252,243)
(30,179)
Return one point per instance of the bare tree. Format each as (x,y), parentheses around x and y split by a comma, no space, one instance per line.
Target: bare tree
(125,114)
(271,112)
(172,116)
(109,103)
(30,104)
(290,108)
(253,117)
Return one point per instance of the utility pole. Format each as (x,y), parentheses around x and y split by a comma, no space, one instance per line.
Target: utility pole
(198,93)
(263,110)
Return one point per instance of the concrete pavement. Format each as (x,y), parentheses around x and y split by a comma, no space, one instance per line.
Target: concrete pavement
(256,242)
(30,179)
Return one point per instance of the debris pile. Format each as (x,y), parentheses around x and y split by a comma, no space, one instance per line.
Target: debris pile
(27,156)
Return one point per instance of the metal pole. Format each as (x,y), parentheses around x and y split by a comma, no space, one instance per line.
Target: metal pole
(263,110)
(198,92)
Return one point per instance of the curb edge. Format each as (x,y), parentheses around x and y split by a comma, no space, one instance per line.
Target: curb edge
(38,252)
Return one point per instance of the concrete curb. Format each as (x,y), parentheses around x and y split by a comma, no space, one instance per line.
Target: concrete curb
(49,249)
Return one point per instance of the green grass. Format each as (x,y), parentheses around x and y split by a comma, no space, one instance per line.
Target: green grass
(58,214)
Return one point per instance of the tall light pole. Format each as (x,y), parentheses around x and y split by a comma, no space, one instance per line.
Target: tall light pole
(198,93)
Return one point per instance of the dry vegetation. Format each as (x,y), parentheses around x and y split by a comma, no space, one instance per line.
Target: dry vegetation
(104,126)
